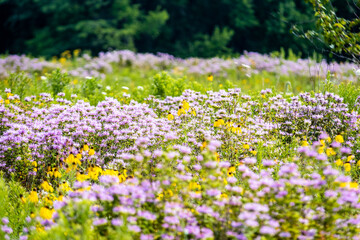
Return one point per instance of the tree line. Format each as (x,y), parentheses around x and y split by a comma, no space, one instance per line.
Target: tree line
(184,28)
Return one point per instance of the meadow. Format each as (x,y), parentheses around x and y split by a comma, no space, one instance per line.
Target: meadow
(141,146)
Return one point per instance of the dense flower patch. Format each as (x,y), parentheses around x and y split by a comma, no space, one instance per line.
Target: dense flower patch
(220,165)
(106,62)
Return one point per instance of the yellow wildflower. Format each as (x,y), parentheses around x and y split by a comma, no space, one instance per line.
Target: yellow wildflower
(339,162)
(122,178)
(76,52)
(236,129)
(47,187)
(57,174)
(231,171)
(339,139)
(330,152)
(170,117)
(40,228)
(77,161)
(224,195)
(321,150)
(347,167)
(351,185)
(181,111)
(194,186)
(60,198)
(110,172)
(48,201)
(185,105)
(94,172)
(69,160)
(203,145)
(210,78)
(81,177)
(46,213)
(72,162)
(229,125)
(33,197)
(62,60)
(246,146)
(64,187)
(23,200)
(86,148)
(125,173)
(169,193)
(91,152)
(219,122)
(354,185)
(217,156)
(304,143)
(160,196)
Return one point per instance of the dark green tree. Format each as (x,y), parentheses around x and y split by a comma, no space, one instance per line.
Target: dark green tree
(92,24)
(203,28)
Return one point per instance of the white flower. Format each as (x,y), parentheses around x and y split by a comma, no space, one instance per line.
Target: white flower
(140,88)
(126,88)
(88,77)
(43,78)
(245,66)
(357,72)
(103,93)
(108,88)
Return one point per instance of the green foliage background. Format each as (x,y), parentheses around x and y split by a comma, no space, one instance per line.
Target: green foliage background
(203,28)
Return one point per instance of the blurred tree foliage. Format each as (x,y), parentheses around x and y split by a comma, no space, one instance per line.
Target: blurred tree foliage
(341,34)
(203,28)
(48,27)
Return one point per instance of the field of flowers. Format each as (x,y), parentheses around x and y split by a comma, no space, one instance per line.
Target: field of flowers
(141,146)
(112,74)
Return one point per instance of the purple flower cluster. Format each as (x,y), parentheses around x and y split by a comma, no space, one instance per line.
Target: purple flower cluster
(16,63)
(262,203)
(114,130)
(249,63)
(49,133)
(5,228)
(200,174)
